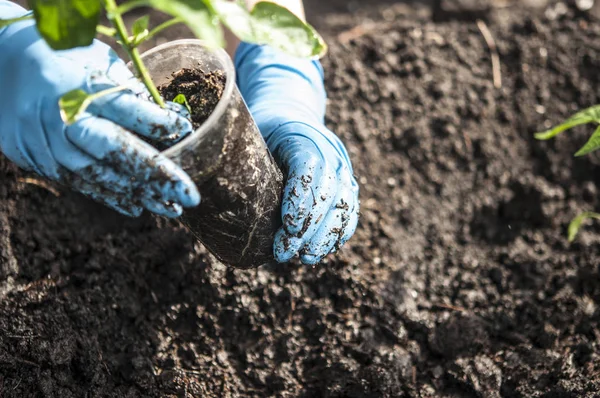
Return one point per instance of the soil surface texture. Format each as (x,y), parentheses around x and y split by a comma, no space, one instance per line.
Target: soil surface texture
(459,281)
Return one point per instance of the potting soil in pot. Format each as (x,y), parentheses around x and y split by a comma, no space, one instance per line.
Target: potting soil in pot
(203,90)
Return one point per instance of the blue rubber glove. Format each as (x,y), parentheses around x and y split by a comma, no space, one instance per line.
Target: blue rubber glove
(99,155)
(286,97)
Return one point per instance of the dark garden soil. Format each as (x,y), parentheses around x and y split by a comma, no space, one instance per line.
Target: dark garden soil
(458,283)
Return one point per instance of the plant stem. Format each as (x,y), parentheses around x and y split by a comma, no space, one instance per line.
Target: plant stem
(145,76)
(117,20)
(106,31)
(130,5)
(159,28)
(6,22)
(92,97)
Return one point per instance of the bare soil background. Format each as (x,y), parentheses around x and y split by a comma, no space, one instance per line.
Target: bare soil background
(458,283)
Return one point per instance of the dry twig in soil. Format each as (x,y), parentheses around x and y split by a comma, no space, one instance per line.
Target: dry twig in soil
(491,43)
(41,184)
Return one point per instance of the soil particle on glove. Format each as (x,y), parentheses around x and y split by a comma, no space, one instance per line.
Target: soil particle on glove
(459,281)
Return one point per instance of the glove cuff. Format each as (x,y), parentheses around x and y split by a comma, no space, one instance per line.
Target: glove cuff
(279,88)
(261,56)
(320,136)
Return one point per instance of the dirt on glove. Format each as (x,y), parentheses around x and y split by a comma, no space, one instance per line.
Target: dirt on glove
(459,281)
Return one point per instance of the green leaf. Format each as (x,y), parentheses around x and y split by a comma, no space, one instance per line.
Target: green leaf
(75,102)
(181,99)
(106,31)
(157,30)
(66,24)
(271,24)
(194,13)
(575,225)
(591,145)
(140,30)
(588,115)
(6,22)
(140,25)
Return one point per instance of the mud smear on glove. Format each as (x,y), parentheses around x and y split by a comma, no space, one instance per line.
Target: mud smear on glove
(240,184)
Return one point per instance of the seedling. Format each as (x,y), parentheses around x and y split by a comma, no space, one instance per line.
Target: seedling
(578,221)
(180,99)
(66,24)
(589,115)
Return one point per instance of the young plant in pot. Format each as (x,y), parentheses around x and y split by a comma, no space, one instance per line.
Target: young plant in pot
(225,155)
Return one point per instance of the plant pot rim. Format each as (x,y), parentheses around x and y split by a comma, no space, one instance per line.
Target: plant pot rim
(221,107)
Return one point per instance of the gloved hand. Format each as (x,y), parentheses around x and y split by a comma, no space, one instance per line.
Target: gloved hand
(99,155)
(286,97)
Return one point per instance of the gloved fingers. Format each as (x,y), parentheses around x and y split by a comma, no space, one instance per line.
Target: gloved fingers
(83,166)
(124,184)
(110,184)
(339,224)
(183,112)
(282,250)
(131,111)
(28,150)
(162,180)
(119,202)
(348,231)
(305,205)
(13,150)
(43,161)
(173,139)
(169,209)
(309,190)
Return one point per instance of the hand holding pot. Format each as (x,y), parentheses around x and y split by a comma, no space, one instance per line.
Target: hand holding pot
(99,155)
(286,97)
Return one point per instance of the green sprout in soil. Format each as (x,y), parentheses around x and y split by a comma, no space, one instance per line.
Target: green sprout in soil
(589,115)
(577,221)
(66,24)
(182,100)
